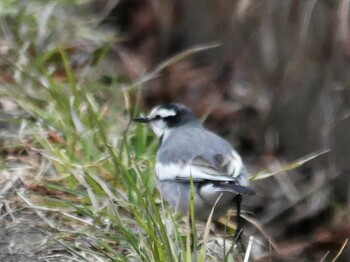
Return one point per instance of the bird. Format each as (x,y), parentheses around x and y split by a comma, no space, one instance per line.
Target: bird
(189,154)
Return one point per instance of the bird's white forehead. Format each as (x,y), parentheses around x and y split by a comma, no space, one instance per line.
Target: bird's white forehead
(162,112)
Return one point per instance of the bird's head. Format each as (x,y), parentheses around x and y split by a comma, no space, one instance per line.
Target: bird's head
(165,117)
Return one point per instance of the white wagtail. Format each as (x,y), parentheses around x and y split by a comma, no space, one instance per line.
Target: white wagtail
(188,152)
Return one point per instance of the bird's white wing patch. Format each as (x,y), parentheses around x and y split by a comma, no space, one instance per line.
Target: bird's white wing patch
(186,171)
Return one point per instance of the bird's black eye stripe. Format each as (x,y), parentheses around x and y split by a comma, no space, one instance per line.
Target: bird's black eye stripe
(157,117)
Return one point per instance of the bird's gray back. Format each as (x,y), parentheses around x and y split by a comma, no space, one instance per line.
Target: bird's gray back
(186,143)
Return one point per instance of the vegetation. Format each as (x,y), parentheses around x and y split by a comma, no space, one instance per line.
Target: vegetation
(70,156)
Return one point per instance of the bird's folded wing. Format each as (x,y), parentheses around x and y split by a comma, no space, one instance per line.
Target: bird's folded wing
(199,169)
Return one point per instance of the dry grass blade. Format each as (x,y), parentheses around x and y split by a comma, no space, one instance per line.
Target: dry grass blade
(341,250)
(41,215)
(58,210)
(325,256)
(249,249)
(8,185)
(206,232)
(260,228)
(291,166)
(153,74)
(70,249)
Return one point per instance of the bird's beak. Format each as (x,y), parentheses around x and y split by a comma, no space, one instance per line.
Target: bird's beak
(142,119)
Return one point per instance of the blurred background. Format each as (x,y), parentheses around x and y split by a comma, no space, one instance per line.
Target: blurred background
(278,86)
(274,80)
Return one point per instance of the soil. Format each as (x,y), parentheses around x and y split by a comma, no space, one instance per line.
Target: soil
(20,242)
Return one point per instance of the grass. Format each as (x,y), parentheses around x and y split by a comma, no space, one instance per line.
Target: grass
(101,192)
